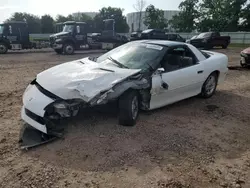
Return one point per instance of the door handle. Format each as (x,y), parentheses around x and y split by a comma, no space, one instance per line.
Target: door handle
(164,85)
(200,72)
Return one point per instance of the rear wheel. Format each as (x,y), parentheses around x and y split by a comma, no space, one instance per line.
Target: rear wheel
(224,46)
(59,51)
(3,48)
(68,49)
(210,85)
(128,108)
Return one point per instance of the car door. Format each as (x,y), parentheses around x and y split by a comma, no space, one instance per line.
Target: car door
(182,77)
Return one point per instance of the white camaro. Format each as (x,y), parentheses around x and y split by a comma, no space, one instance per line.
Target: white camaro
(138,75)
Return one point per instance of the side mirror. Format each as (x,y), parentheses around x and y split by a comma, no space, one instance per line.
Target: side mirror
(160,70)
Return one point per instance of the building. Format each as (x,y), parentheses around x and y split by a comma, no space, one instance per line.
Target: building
(90,14)
(133,19)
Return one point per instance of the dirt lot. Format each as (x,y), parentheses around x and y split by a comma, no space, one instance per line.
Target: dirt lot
(193,143)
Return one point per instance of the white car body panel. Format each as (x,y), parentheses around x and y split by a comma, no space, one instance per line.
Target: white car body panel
(186,82)
(82,80)
(182,83)
(35,101)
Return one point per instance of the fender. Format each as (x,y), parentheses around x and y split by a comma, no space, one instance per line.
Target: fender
(5,41)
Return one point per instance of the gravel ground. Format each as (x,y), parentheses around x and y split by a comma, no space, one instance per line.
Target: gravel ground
(193,143)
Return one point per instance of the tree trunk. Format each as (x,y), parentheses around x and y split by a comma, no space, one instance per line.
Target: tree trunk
(139,29)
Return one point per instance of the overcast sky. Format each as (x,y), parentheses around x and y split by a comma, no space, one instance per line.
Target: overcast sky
(65,7)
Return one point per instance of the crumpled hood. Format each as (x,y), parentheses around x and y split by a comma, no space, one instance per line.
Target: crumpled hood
(246,51)
(82,78)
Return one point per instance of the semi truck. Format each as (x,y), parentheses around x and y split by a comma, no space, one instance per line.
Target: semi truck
(76,36)
(15,35)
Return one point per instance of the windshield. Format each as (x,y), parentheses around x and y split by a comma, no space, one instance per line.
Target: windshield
(194,37)
(68,28)
(204,35)
(135,55)
(1,29)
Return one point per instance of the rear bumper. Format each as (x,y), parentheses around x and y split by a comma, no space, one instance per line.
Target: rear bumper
(222,76)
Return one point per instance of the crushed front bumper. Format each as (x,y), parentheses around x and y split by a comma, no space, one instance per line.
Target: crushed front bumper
(31,137)
(245,59)
(33,110)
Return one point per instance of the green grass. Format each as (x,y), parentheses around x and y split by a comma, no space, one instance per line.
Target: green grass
(239,45)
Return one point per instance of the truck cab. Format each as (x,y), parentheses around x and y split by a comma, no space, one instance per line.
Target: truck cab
(73,37)
(14,36)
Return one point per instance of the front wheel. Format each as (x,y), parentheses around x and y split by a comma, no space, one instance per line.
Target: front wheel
(3,48)
(68,49)
(209,86)
(128,108)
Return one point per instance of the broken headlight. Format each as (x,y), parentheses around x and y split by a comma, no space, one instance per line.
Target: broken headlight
(64,108)
(243,54)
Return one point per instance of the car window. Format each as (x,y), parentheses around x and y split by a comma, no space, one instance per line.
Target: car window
(178,37)
(135,55)
(172,37)
(204,35)
(178,58)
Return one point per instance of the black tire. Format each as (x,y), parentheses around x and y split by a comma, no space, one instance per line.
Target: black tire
(59,51)
(68,49)
(128,113)
(224,46)
(3,48)
(209,90)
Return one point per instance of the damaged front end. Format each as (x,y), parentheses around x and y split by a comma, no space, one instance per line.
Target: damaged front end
(44,111)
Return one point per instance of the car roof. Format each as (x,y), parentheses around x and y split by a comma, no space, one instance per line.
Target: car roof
(166,43)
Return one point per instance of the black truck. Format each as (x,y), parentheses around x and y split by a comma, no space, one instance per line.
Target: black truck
(158,34)
(73,37)
(209,40)
(14,35)
(77,36)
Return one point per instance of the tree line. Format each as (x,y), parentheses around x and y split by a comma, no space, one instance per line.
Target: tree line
(46,23)
(195,15)
(215,15)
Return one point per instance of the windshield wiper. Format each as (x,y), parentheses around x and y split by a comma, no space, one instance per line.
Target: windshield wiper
(117,62)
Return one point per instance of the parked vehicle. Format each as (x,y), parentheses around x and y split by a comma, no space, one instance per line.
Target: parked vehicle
(174,37)
(137,75)
(209,40)
(193,37)
(15,35)
(73,37)
(160,35)
(245,57)
(135,36)
(153,34)
(109,38)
